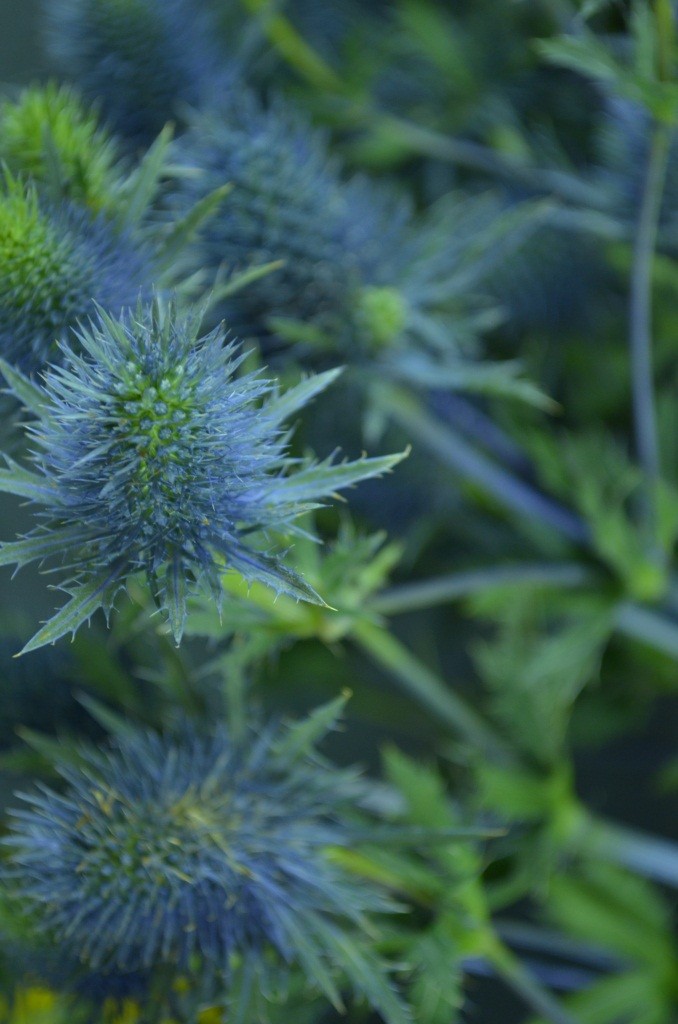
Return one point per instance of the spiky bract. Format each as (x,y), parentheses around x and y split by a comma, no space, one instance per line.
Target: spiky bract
(50,135)
(196,848)
(141,59)
(155,455)
(55,261)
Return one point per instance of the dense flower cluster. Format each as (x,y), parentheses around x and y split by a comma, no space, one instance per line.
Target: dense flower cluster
(155,455)
(168,848)
(360,271)
(51,136)
(56,261)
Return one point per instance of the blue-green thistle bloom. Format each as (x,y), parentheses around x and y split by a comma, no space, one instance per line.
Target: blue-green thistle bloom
(55,262)
(202,852)
(154,455)
(50,135)
(363,277)
(140,59)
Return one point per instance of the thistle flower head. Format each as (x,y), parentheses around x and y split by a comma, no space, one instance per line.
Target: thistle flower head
(196,848)
(156,456)
(290,203)
(141,59)
(50,135)
(363,276)
(285,204)
(54,262)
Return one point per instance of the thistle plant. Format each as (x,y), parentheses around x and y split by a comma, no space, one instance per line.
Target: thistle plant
(55,262)
(141,60)
(155,456)
(362,277)
(49,134)
(175,859)
(204,852)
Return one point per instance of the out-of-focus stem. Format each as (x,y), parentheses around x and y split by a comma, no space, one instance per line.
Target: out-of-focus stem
(428,689)
(507,489)
(525,985)
(442,589)
(640,325)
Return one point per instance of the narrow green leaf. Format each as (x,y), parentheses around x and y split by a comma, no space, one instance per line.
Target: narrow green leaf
(29,393)
(236,282)
(30,549)
(110,720)
(175,597)
(284,405)
(25,484)
(299,332)
(275,574)
(293,47)
(54,752)
(366,974)
(302,737)
(85,600)
(185,230)
(142,185)
(324,479)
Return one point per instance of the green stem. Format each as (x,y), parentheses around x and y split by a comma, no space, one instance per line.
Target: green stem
(427,688)
(441,589)
(632,620)
(640,324)
(510,491)
(477,157)
(525,985)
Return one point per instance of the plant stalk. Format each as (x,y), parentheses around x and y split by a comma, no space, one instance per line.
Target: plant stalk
(420,682)
(509,490)
(509,967)
(454,586)
(640,326)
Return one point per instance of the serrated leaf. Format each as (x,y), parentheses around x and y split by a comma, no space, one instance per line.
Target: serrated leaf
(365,974)
(54,752)
(236,282)
(422,788)
(142,185)
(15,479)
(302,737)
(184,230)
(85,600)
(254,565)
(324,479)
(31,395)
(175,597)
(316,969)
(113,723)
(437,991)
(500,379)
(286,404)
(31,549)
